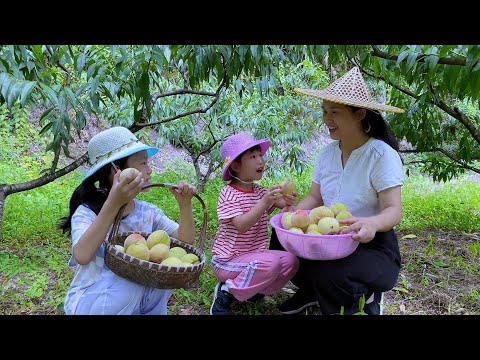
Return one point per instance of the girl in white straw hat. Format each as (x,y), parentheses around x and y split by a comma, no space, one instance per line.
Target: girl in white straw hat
(363,170)
(95,289)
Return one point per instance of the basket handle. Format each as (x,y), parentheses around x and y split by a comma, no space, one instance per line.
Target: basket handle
(203,230)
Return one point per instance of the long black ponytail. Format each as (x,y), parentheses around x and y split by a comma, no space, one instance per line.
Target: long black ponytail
(89,195)
(375,126)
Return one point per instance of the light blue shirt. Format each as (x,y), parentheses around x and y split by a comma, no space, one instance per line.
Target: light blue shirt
(371,168)
(146,217)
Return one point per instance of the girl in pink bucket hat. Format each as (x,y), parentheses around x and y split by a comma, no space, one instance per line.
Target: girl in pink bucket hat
(245,268)
(95,289)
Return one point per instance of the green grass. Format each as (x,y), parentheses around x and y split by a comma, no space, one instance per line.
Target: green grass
(34,275)
(452,206)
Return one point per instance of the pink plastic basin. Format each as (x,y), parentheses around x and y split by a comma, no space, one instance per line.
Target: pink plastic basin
(313,246)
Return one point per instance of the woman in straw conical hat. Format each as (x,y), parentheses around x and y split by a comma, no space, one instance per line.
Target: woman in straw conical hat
(361,169)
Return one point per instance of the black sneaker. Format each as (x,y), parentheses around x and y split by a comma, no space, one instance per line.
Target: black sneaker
(255,298)
(297,302)
(221,301)
(375,307)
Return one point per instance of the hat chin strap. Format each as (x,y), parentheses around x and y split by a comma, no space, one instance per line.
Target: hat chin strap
(245,182)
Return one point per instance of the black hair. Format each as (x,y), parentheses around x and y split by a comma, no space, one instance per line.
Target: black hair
(375,126)
(89,195)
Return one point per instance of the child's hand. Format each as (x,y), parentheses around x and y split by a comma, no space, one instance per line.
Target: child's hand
(125,190)
(272,195)
(291,200)
(184,192)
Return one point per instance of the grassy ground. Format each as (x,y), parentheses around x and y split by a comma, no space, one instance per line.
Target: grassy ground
(440,246)
(440,250)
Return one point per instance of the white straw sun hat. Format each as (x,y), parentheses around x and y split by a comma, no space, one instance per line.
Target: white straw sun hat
(113,144)
(350,89)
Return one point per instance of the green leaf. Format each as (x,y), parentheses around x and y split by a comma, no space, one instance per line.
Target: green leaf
(46,127)
(87,107)
(45,114)
(432,61)
(80,62)
(400,289)
(167,53)
(26,91)
(49,93)
(13,93)
(65,150)
(64,135)
(412,58)
(402,56)
(71,96)
(106,91)
(95,102)
(38,53)
(5,82)
(81,88)
(81,121)
(94,86)
(30,66)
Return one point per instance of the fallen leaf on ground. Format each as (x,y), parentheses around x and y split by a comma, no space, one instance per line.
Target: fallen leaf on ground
(186,311)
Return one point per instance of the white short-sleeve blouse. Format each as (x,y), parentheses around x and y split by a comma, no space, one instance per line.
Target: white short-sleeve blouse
(371,168)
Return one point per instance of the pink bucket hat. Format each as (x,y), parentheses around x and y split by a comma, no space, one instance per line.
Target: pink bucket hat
(237,144)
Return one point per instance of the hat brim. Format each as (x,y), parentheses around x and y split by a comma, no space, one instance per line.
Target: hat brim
(126,152)
(264,145)
(321,94)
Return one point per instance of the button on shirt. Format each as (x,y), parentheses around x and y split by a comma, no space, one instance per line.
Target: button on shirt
(371,168)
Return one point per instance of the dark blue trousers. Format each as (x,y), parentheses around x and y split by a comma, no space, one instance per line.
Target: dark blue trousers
(372,268)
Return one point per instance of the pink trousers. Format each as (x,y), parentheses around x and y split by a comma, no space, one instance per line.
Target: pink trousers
(263,272)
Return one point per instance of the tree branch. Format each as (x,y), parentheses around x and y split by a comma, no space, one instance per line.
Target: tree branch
(138,126)
(455,113)
(156,96)
(45,179)
(186,146)
(421,58)
(50,51)
(395,85)
(206,149)
(447,154)
(55,159)
(415,162)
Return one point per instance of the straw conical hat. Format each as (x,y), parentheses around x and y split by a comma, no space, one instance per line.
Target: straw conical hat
(350,89)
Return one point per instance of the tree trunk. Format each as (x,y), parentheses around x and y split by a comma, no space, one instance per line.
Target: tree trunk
(202,178)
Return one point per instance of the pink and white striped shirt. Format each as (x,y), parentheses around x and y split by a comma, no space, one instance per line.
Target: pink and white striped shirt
(229,242)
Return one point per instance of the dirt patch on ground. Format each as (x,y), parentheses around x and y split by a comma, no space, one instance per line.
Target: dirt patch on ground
(439,276)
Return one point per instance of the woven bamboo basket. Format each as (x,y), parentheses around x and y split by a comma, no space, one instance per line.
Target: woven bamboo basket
(149,273)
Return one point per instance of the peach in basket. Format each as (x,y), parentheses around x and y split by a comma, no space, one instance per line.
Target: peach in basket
(313,246)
